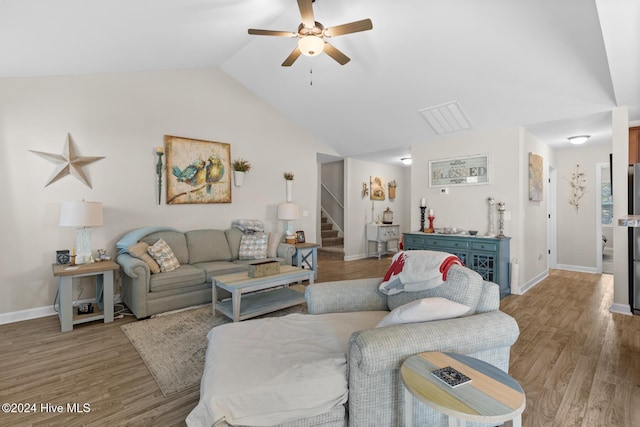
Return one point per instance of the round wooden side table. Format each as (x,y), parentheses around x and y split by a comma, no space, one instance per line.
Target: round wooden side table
(491,397)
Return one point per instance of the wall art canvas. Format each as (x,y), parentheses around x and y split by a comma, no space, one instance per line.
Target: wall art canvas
(536,177)
(198,171)
(377,188)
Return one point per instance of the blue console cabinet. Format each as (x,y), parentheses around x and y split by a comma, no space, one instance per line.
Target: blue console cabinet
(488,256)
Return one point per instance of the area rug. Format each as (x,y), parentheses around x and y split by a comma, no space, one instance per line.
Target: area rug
(173,346)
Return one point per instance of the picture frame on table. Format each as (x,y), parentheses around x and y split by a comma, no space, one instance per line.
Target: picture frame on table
(300,236)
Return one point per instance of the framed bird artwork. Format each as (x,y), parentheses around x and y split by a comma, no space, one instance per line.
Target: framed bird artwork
(198,171)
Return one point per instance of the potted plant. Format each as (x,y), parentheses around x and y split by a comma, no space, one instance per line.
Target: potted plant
(240,168)
(288,176)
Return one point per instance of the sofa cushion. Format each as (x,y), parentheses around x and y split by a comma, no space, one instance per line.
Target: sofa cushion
(233,238)
(186,275)
(164,256)
(253,246)
(218,268)
(272,244)
(424,310)
(139,250)
(207,245)
(463,286)
(176,241)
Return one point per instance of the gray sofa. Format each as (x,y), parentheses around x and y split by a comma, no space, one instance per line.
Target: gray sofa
(375,355)
(202,254)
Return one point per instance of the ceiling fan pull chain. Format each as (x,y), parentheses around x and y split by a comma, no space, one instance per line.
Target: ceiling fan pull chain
(310,75)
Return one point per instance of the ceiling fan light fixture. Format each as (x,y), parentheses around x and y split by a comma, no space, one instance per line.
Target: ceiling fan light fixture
(311,45)
(578,139)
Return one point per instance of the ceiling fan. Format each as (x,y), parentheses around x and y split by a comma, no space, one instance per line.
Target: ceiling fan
(312,34)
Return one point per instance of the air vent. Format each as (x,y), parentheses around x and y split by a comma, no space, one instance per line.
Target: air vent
(446,118)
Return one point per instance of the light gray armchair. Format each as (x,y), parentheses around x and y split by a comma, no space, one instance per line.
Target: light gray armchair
(375,355)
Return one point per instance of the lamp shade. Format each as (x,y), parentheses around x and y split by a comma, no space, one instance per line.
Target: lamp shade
(579,139)
(288,211)
(311,45)
(81,214)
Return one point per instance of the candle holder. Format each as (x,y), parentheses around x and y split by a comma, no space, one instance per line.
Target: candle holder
(431,229)
(501,209)
(159,173)
(73,259)
(422,217)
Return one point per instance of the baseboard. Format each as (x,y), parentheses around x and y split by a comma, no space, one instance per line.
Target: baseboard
(621,309)
(38,312)
(578,268)
(531,283)
(31,313)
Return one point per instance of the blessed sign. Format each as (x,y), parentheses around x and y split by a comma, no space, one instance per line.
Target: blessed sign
(459,171)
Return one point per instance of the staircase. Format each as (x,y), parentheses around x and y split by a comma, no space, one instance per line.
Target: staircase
(332,244)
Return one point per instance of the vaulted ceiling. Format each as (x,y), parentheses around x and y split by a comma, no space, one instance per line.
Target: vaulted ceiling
(555,67)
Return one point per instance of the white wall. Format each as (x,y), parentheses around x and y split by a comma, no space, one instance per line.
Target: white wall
(358,210)
(533,251)
(577,227)
(124,117)
(466,206)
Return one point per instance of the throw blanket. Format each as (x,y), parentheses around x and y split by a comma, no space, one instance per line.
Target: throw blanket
(414,271)
(248,226)
(132,237)
(275,370)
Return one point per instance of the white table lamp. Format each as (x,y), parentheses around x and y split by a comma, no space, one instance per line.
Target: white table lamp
(288,212)
(82,215)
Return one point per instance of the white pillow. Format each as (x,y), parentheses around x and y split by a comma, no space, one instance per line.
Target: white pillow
(424,310)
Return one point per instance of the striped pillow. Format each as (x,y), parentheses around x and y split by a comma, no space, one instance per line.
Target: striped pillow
(164,256)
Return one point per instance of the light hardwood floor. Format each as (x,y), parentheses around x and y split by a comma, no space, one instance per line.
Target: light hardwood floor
(578,363)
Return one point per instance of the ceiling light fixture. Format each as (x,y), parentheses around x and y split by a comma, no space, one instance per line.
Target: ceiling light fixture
(578,139)
(406,160)
(311,45)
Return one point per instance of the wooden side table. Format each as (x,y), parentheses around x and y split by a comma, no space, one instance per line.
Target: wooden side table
(306,256)
(492,396)
(103,271)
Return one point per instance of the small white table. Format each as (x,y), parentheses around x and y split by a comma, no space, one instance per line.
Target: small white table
(491,397)
(103,271)
(382,235)
(255,303)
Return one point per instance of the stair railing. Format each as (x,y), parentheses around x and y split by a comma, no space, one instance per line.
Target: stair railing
(333,209)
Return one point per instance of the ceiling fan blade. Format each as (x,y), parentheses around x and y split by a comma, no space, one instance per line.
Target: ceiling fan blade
(352,27)
(340,57)
(272,33)
(292,57)
(306,12)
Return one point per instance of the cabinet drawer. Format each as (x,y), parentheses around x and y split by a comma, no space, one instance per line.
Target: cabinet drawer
(449,244)
(484,246)
(411,242)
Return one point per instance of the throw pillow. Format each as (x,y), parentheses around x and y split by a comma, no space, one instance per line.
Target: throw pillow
(424,310)
(253,246)
(164,256)
(139,250)
(272,246)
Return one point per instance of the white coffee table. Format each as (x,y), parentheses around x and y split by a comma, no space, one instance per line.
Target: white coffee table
(246,302)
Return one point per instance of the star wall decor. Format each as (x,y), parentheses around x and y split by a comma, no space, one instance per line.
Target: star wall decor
(68,163)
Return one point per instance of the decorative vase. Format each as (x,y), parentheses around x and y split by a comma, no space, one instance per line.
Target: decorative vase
(238,178)
(289,184)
